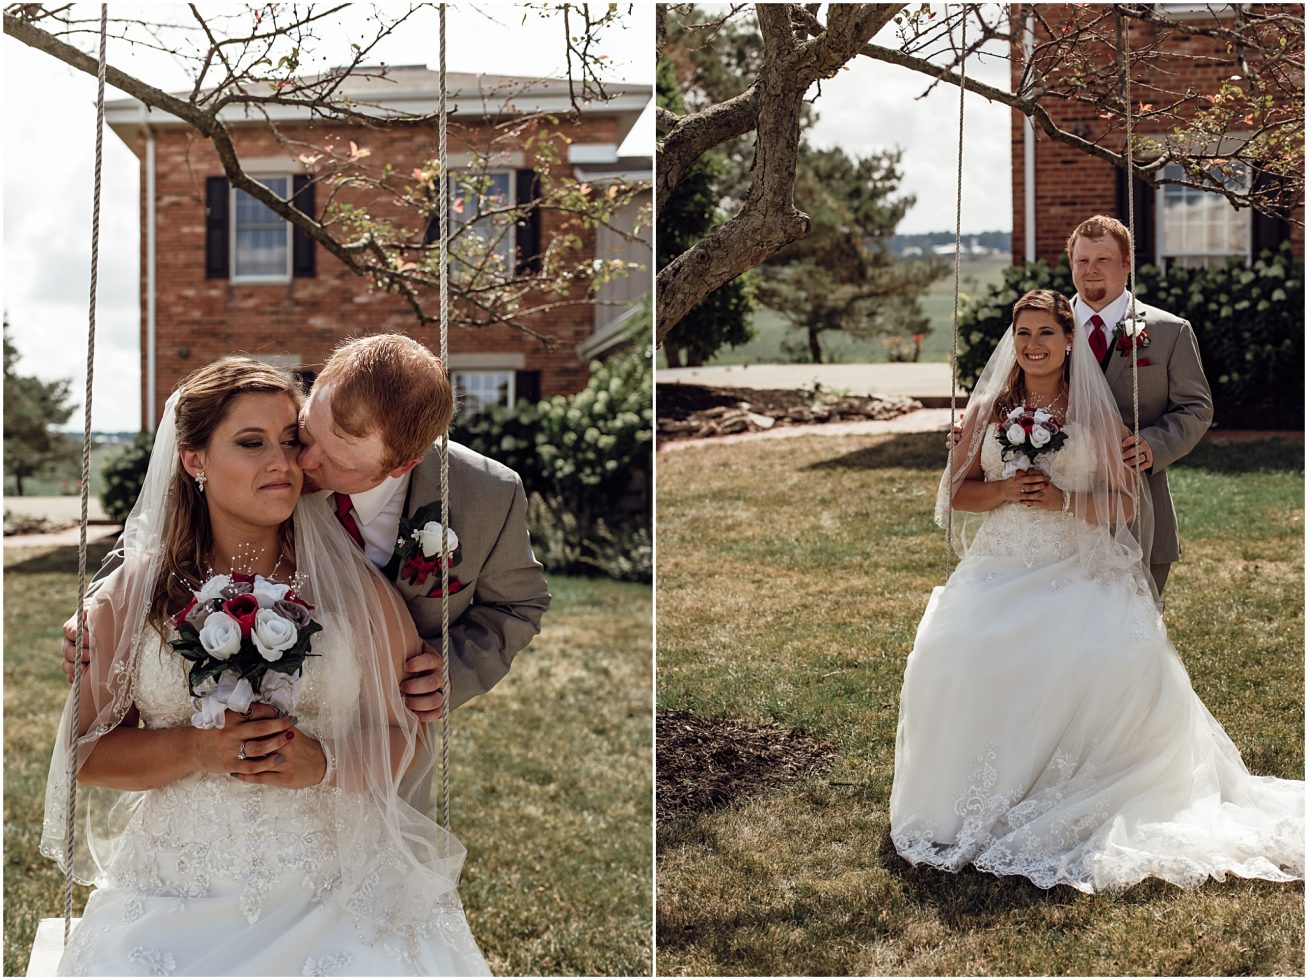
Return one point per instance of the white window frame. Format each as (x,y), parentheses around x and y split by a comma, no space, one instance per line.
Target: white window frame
(1161,252)
(511,236)
(231,234)
(458,374)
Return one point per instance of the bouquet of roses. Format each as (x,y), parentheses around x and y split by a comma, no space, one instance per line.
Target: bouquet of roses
(1028,437)
(246,638)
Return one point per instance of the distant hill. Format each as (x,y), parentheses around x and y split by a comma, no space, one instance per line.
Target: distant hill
(991,241)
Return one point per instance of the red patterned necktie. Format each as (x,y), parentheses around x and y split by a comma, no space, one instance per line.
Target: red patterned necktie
(1098,342)
(344,507)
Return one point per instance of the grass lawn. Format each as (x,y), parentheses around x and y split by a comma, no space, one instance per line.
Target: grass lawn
(774,335)
(791,581)
(551,780)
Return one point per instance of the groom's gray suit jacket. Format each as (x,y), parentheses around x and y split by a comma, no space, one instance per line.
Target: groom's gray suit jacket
(1176,409)
(498,609)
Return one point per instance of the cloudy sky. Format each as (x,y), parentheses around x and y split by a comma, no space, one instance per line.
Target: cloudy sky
(49,149)
(871,105)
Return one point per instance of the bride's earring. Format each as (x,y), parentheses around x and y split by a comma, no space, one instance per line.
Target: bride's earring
(200,480)
(1068,351)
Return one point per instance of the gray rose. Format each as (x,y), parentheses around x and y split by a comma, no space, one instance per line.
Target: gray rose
(234,589)
(293,611)
(198,614)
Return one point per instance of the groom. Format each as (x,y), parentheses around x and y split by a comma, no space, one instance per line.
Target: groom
(369,428)
(1176,406)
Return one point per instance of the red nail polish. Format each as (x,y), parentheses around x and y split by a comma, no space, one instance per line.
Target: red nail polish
(290,735)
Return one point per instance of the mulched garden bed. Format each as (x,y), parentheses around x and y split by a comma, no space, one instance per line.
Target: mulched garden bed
(23,524)
(704,764)
(699,411)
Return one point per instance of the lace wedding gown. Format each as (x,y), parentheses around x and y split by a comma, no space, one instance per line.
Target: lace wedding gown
(1047,727)
(215,876)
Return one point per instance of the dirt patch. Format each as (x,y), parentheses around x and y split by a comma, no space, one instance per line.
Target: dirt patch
(702,412)
(705,764)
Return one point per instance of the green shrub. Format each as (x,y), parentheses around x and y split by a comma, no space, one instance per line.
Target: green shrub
(124,472)
(585,459)
(1248,320)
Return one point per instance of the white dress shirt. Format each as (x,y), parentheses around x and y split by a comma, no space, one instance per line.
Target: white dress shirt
(1112,314)
(378,512)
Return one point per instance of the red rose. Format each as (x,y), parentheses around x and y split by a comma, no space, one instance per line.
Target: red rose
(242,577)
(243,609)
(417,568)
(292,597)
(436,593)
(181,616)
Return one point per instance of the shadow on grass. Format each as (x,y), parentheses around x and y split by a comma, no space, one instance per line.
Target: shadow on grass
(62,559)
(906,451)
(1276,453)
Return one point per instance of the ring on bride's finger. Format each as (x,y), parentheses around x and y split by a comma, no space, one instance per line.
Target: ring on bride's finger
(240,752)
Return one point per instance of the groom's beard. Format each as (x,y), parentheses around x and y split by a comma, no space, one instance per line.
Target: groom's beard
(1094,292)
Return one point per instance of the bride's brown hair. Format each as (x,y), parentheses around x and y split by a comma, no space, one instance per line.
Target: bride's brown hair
(1057,305)
(204,401)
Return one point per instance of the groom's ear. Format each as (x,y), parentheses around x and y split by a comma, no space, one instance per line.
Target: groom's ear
(404,468)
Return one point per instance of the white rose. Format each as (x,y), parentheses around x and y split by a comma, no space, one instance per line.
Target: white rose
(1016,435)
(220,635)
(1016,413)
(280,690)
(273,634)
(1042,416)
(213,589)
(429,539)
(1040,436)
(268,592)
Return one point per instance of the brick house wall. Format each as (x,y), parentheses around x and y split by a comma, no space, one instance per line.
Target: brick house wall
(1071,185)
(298,322)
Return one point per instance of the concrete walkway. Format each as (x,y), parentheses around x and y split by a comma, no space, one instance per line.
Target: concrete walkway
(924,381)
(68,537)
(55,508)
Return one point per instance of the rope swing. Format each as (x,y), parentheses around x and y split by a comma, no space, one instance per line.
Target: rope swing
(958,267)
(75,714)
(1128,158)
(444,201)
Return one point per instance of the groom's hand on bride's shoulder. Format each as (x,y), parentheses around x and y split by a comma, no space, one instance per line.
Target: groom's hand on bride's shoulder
(70,646)
(421,686)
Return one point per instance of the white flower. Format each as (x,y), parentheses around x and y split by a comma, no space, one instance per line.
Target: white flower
(229,695)
(220,635)
(268,591)
(1040,436)
(429,538)
(1132,328)
(280,690)
(213,589)
(1016,413)
(1042,416)
(273,634)
(1016,435)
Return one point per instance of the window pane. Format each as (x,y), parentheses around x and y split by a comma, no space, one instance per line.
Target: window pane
(488,240)
(261,238)
(478,391)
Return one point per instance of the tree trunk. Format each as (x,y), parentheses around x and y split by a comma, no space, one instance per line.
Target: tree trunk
(673,354)
(814,348)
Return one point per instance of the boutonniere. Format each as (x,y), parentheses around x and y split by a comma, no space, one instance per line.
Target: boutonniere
(424,548)
(1131,335)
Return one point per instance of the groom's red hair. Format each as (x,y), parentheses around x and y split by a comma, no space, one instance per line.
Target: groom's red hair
(392,385)
(1097,227)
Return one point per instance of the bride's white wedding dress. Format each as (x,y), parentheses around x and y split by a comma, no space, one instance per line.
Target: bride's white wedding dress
(217,876)
(1047,727)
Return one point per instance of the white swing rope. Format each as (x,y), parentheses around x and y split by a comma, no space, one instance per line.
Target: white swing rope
(75,714)
(958,264)
(1124,44)
(443,204)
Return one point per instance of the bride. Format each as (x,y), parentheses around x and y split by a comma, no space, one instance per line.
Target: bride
(1047,727)
(273,845)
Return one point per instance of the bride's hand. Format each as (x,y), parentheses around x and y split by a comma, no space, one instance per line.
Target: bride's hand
(259,737)
(1046,497)
(1024,486)
(299,762)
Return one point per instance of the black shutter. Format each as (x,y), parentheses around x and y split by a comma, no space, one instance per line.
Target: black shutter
(433,233)
(216,199)
(527,233)
(1267,231)
(1146,215)
(526,385)
(302,244)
